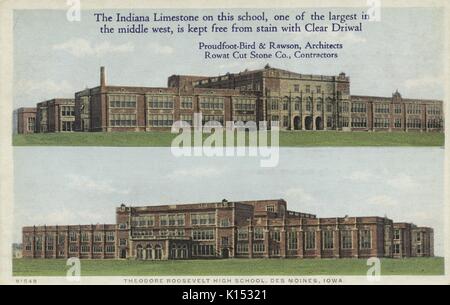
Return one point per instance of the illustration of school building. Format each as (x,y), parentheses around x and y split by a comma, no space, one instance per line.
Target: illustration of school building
(296,101)
(239,229)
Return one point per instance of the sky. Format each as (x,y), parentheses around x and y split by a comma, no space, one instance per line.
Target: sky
(55,58)
(84,185)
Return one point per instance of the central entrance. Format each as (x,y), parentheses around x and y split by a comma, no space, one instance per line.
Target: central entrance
(308,123)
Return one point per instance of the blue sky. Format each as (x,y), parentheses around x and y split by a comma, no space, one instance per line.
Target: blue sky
(55,58)
(83,185)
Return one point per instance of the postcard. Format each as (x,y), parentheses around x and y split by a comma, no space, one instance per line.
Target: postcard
(239,144)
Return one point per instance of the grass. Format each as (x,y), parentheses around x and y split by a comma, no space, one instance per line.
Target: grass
(287,139)
(230,267)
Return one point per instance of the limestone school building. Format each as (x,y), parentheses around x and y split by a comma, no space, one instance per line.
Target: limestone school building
(240,229)
(297,101)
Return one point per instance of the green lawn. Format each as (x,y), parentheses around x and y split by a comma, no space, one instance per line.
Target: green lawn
(230,267)
(287,139)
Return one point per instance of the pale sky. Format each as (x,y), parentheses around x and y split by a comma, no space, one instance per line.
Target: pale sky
(55,58)
(84,185)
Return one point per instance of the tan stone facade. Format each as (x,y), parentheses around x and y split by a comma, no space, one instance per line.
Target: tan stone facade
(245,229)
(297,101)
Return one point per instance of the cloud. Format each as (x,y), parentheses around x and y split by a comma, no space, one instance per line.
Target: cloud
(199,172)
(161,49)
(44,88)
(423,82)
(300,196)
(403,182)
(84,183)
(361,176)
(80,47)
(383,201)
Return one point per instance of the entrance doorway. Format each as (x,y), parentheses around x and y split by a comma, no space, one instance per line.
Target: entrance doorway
(319,123)
(297,123)
(309,123)
(225,253)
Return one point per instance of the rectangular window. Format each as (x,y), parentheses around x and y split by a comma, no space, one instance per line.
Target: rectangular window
(97,249)
(243,234)
(382,108)
(123,242)
(346,239)
(275,235)
(310,240)
(73,248)
(203,235)
(296,88)
(110,236)
(396,249)
(203,250)
(84,237)
(308,89)
(343,107)
(160,102)
(98,236)
(328,239)
(318,89)
(186,102)
(259,248)
(396,234)
(110,249)
(414,123)
(242,248)
(73,236)
(244,104)
(292,240)
(359,107)
(122,120)
(358,122)
(122,101)
(397,109)
(203,219)
(398,123)
(365,239)
(258,234)
(212,118)
(212,103)
(381,123)
(85,249)
(413,109)
(31,124)
(160,120)
(187,118)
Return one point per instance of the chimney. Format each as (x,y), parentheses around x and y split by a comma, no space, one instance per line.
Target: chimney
(102,77)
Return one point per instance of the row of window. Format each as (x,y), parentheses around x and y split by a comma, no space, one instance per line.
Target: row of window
(365,238)
(122,120)
(122,101)
(160,102)
(245,104)
(203,250)
(212,103)
(67,110)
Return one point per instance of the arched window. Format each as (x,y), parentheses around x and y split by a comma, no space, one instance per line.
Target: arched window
(158,252)
(309,104)
(149,251)
(285,103)
(139,252)
(319,104)
(297,104)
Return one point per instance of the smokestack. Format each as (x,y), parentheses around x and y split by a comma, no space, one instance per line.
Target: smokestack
(102,77)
